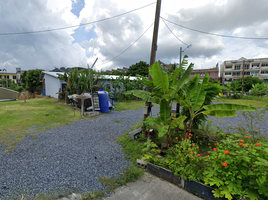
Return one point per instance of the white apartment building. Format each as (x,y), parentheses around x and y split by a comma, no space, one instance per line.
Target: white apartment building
(231,70)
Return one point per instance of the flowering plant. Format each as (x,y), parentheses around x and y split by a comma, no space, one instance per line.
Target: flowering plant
(238,169)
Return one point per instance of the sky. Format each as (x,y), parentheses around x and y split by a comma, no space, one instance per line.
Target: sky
(124,40)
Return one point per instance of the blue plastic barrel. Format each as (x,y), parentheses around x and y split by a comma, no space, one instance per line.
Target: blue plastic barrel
(104,101)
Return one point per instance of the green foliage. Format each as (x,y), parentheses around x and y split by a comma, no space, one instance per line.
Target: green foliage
(233,90)
(183,160)
(166,89)
(248,82)
(259,89)
(140,68)
(116,72)
(245,173)
(3,82)
(32,80)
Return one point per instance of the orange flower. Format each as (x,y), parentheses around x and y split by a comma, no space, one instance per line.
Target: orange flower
(209,147)
(193,144)
(226,152)
(240,144)
(176,138)
(248,145)
(182,139)
(214,149)
(173,151)
(216,144)
(258,144)
(189,137)
(208,143)
(224,164)
(198,155)
(206,156)
(241,140)
(190,134)
(247,137)
(191,152)
(197,149)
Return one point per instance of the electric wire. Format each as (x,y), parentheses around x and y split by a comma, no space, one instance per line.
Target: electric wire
(68,27)
(214,34)
(173,33)
(127,47)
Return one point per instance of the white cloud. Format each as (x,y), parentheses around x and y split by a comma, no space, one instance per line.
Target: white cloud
(45,50)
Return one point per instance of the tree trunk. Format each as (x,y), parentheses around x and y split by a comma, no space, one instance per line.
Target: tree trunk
(82,105)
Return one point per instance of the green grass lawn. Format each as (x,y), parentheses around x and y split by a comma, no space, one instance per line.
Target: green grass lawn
(254,103)
(17,117)
(43,113)
(128,105)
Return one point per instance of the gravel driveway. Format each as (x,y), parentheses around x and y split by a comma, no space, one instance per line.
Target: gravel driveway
(69,158)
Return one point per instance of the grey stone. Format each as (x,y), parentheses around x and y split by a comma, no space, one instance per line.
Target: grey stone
(135,134)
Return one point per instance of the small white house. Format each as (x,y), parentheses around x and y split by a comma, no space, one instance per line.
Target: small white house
(52,84)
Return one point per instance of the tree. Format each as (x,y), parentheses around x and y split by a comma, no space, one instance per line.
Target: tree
(115,72)
(141,68)
(32,78)
(23,79)
(248,82)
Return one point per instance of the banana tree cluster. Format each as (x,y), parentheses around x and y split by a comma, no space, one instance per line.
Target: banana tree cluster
(169,88)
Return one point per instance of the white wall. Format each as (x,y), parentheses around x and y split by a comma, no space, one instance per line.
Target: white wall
(52,86)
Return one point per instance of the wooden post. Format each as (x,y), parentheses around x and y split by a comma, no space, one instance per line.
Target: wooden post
(153,50)
(243,69)
(82,105)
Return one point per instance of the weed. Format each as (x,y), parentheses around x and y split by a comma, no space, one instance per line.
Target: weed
(117,121)
(94,195)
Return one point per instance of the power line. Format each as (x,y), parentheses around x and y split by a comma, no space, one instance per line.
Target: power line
(173,33)
(219,35)
(127,47)
(67,27)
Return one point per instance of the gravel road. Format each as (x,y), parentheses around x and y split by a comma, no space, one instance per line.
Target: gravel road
(239,121)
(69,158)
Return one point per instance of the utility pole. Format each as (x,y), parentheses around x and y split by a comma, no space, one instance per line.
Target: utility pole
(243,69)
(153,51)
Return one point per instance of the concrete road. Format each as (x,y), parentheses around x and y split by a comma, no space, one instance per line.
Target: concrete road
(151,187)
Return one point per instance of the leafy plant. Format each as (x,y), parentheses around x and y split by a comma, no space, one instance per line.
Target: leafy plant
(259,89)
(238,168)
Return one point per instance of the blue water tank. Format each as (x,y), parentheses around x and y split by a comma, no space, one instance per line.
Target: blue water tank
(104,101)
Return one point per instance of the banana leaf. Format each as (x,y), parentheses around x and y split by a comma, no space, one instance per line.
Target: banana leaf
(164,111)
(160,78)
(163,130)
(176,122)
(225,109)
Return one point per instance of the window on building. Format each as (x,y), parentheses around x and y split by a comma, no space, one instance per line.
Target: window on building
(255,65)
(0,76)
(7,76)
(264,72)
(264,64)
(236,73)
(228,73)
(14,77)
(246,66)
(246,73)
(228,67)
(255,72)
(237,67)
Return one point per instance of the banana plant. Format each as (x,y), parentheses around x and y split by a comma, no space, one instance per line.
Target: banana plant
(165,89)
(194,103)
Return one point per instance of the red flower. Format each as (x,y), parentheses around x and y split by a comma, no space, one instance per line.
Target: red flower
(182,139)
(190,134)
(247,137)
(189,137)
(214,149)
(197,149)
(226,152)
(240,144)
(241,140)
(224,164)
(198,155)
(216,144)
(191,152)
(176,138)
(193,144)
(258,144)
